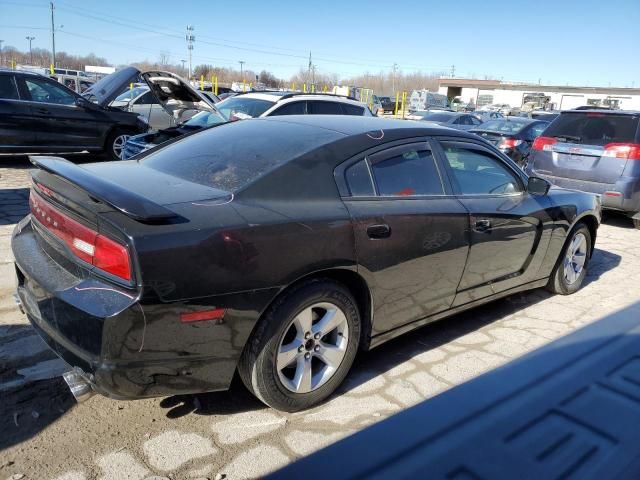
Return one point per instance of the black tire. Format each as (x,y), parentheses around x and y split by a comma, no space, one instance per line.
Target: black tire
(257,366)
(116,135)
(558,283)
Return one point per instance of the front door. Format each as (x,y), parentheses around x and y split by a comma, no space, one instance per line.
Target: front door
(16,129)
(509,229)
(410,236)
(60,122)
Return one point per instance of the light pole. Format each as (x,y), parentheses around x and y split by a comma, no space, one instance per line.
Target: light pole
(190,39)
(393,79)
(31,39)
(183,62)
(241,62)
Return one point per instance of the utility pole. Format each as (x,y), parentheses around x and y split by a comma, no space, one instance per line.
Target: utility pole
(393,80)
(30,39)
(53,38)
(190,39)
(241,62)
(453,71)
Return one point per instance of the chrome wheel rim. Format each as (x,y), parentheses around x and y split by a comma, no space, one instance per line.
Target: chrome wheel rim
(312,347)
(118,144)
(575,258)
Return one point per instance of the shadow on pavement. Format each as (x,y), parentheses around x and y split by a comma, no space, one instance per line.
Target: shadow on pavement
(616,219)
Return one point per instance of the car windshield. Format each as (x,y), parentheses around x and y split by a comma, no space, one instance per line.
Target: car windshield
(204,119)
(435,117)
(594,128)
(238,108)
(130,94)
(503,126)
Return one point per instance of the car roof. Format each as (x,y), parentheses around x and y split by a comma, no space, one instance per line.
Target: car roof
(355,125)
(603,111)
(277,96)
(20,72)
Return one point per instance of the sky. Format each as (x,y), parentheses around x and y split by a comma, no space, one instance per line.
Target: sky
(592,43)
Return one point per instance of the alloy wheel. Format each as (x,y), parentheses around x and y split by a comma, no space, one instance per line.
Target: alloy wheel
(575,258)
(118,144)
(312,347)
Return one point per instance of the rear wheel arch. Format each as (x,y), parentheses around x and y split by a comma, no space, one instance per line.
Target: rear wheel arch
(353,282)
(592,224)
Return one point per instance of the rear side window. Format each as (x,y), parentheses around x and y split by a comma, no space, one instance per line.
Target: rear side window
(411,173)
(594,128)
(293,108)
(359,180)
(8,89)
(323,108)
(352,109)
(234,155)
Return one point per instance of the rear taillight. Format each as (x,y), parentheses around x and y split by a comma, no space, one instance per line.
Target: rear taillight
(509,143)
(544,143)
(85,243)
(629,151)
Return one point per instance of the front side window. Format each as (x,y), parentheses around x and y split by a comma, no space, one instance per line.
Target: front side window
(48,92)
(413,172)
(8,89)
(477,172)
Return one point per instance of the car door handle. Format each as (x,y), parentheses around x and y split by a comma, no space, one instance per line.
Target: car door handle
(482,225)
(379,231)
(43,111)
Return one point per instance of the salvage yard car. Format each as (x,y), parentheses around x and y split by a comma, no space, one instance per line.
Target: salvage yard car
(594,151)
(279,248)
(512,135)
(40,115)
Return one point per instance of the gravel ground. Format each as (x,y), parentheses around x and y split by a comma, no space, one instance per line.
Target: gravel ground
(44,434)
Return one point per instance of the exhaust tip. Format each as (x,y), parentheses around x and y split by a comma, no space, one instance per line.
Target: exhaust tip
(80,388)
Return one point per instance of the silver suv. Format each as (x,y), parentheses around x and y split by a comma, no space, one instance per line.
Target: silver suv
(595,151)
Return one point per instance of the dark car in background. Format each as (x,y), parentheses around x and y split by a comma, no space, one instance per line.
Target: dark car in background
(139,143)
(388,104)
(40,115)
(486,115)
(156,276)
(514,136)
(594,151)
(458,120)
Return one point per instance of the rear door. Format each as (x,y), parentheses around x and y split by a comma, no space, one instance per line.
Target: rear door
(16,125)
(508,228)
(585,146)
(59,121)
(410,235)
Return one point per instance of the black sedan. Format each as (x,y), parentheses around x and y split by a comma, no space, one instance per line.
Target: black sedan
(279,248)
(458,120)
(514,136)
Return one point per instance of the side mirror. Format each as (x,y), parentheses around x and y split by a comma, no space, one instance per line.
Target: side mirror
(84,103)
(538,186)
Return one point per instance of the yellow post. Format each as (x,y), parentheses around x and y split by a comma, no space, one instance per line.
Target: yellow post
(324,89)
(293,86)
(244,87)
(201,82)
(13,64)
(395,111)
(250,85)
(214,82)
(51,69)
(304,88)
(404,100)
(313,88)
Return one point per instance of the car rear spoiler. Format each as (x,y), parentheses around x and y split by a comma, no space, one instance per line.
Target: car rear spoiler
(128,202)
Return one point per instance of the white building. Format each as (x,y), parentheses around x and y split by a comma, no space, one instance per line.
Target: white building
(485,92)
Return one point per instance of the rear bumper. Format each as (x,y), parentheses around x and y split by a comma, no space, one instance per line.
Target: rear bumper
(127,349)
(628,188)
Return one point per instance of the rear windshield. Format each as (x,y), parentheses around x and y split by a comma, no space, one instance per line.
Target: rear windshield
(503,126)
(232,156)
(594,128)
